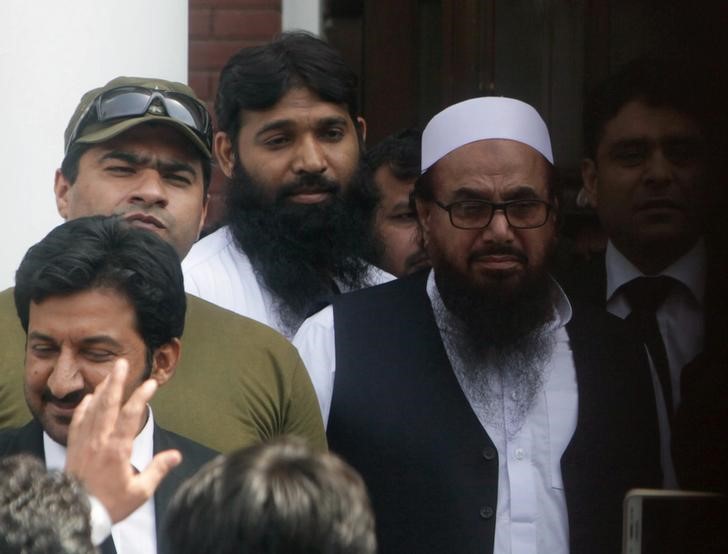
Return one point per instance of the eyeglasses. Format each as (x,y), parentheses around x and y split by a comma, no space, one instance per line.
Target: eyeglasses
(477,214)
(131,101)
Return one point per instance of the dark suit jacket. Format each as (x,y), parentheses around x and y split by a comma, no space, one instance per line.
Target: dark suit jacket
(399,416)
(700,426)
(29,439)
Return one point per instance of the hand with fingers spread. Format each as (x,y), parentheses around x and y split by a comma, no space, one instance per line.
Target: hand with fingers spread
(100,441)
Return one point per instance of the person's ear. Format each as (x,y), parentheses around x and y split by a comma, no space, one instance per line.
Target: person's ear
(424,211)
(590,180)
(61,188)
(164,361)
(361,126)
(224,153)
(203,216)
(555,214)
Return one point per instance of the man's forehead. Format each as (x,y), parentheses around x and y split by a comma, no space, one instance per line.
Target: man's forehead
(640,118)
(293,103)
(386,180)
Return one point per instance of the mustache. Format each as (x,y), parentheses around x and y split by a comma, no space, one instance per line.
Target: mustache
(161,215)
(308,182)
(71,398)
(500,250)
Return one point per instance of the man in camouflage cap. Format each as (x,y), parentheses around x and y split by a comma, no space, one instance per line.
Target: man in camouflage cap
(140,148)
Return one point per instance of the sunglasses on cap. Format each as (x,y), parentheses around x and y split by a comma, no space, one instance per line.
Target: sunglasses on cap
(134,101)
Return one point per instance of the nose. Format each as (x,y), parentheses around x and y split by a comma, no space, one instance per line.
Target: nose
(498,230)
(150,189)
(309,157)
(65,376)
(658,170)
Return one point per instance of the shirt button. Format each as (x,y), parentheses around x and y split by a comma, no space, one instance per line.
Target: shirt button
(486,512)
(520,453)
(514,395)
(489,453)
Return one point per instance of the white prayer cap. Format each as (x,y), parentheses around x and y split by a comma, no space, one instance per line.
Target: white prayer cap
(490,117)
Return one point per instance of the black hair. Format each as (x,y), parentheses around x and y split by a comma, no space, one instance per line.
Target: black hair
(273,498)
(99,252)
(400,152)
(656,82)
(256,78)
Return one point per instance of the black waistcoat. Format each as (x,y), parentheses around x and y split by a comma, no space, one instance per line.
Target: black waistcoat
(399,416)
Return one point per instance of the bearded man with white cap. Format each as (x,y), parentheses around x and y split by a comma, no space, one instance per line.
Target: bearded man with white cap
(484,411)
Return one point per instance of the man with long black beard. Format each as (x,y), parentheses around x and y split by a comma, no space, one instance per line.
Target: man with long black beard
(291,148)
(484,411)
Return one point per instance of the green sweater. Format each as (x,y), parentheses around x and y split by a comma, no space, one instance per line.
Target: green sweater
(238,382)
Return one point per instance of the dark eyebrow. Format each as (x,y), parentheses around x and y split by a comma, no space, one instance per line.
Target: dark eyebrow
(175,166)
(96,339)
(41,336)
(331,121)
(629,143)
(467,193)
(284,124)
(100,339)
(163,166)
(276,125)
(521,192)
(128,157)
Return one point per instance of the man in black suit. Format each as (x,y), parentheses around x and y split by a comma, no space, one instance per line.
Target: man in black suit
(485,412)
(646,172)
(91,293)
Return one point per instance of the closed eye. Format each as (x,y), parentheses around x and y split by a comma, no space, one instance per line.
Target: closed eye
(43,350)
(120,170)
(98,355)
(178,178)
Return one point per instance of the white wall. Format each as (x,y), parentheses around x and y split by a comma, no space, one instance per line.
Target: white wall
(301,14)
(51,52)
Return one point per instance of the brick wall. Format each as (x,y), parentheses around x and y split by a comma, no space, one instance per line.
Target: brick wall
(218,29)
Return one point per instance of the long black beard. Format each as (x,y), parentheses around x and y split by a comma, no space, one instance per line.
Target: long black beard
(501,338)
(300,250)
(494,316)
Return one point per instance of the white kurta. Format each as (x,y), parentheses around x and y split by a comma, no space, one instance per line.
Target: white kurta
(219,272)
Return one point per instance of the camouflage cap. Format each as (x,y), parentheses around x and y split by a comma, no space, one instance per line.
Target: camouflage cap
(97,132)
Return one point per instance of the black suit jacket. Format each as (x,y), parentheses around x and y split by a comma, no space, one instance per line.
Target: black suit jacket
(29,439)
(399,416)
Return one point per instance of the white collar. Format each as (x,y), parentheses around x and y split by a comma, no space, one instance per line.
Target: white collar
(141,454)
(690,270)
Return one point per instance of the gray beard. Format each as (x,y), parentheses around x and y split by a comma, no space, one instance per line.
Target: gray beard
(488,373)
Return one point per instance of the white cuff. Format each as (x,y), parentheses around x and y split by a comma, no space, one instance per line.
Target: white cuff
(100,521)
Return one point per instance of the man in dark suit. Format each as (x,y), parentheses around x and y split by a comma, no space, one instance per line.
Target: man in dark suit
(91,293)
(485,412)
(646,172)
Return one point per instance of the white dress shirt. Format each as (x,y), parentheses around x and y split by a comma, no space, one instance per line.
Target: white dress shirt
(217,270)
(681,322)
(137,534)
(531,516)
